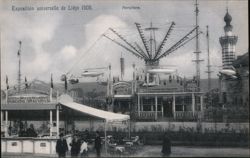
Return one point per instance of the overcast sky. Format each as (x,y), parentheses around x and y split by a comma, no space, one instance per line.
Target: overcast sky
(68,41)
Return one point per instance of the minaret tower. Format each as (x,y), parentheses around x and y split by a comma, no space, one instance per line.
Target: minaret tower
(228,42)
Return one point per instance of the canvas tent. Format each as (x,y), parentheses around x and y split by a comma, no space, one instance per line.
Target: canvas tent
(109,117)
(106,115)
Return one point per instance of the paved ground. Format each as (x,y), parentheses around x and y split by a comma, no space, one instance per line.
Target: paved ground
(155,151)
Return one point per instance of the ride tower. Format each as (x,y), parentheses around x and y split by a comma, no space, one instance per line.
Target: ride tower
(228,43)
(150,51)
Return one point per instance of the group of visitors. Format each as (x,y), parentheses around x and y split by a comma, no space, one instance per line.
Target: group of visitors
(78,146)
(30,132)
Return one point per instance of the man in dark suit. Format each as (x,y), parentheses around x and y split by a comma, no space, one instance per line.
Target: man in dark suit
(98,144)
(31,131)
(166,145)
(75,146)
(61,146)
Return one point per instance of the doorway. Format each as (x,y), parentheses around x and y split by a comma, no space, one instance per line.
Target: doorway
(167,107)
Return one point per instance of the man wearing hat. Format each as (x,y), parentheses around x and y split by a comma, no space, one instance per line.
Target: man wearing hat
(98,144)
(61,146)
(75,146)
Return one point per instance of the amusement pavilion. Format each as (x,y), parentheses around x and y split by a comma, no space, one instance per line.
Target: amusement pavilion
(157,94)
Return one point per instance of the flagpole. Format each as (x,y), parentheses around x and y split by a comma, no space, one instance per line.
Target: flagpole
(51,88)
(50,97)
(57,96)
(19,66)
(7,88)
(6,96)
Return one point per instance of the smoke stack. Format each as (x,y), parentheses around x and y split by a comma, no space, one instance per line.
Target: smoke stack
(122,67)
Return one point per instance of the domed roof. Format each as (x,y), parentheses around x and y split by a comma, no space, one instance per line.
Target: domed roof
(227,18)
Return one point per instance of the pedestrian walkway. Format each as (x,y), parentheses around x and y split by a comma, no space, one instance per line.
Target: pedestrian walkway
(155,151)
(177,151)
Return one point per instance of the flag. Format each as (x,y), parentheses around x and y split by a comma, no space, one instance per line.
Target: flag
(7,82)
(51,82)
(65,83)
(19,51)
(26,83)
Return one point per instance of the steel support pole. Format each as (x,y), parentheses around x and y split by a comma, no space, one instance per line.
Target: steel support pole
(1,117)
(162,110)
(156,106)
(7,96)
(201,100)
(173,104)
(57,96)
(139,105)
(51,123)
(105,135)
(142,108)
(6,123)
(57,120)
(129,128)
(147,78)
(50,95)
(193,103)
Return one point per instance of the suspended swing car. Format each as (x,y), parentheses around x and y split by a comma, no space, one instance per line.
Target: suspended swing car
(233,77)
(74,80)
(92,73)
(164,71)
(151,84)
(228,72)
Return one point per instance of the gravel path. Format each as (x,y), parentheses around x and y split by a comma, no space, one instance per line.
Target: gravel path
(177,151)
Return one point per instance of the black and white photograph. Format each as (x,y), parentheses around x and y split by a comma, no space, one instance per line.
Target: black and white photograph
(124,78)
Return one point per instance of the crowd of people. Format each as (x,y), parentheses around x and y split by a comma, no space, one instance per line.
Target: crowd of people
(79,147)
(30,132)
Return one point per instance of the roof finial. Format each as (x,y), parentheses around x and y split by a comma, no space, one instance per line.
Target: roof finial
(227,5)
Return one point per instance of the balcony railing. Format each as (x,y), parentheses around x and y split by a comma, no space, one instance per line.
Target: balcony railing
(157,90)
(147,115)
(179,115)
(187,115)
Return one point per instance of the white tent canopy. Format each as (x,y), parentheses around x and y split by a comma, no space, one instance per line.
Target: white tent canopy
(67,101)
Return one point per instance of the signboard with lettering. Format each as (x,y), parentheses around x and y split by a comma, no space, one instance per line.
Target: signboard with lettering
(41,99)
(42,144)
(122,88)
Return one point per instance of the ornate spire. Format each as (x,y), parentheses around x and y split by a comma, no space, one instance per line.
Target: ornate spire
(228,19)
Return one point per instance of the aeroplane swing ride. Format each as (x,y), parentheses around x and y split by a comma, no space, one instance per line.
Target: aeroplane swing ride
(150,52)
